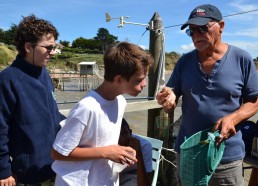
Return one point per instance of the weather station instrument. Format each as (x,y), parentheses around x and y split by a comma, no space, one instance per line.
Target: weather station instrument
(149,26)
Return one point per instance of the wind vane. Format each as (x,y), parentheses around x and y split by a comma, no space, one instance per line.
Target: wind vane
(122,22)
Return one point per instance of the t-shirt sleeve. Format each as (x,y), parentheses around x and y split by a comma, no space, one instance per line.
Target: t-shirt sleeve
(69,136)
(251,80)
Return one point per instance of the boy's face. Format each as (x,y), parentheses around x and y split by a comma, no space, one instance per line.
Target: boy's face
(136,83)
(41,53)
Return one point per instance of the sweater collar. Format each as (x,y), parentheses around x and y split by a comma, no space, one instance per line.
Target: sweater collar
(26,67)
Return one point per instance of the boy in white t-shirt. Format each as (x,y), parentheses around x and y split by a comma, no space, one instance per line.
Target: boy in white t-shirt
(87,146)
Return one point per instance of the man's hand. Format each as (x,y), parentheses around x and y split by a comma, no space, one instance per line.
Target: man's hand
(226,125)
(167,99)
(8,182)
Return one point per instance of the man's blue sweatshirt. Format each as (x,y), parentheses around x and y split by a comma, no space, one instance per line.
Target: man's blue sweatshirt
(29,122)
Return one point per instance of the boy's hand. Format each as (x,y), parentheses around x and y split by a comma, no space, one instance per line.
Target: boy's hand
(10,181)
(167,99)
(121,154)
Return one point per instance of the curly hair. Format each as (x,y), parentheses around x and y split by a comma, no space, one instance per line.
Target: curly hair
(31,29)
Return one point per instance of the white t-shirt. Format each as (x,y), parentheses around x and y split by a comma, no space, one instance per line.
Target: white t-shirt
(93,122)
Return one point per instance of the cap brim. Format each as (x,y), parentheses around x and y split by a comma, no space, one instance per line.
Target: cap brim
(196,21)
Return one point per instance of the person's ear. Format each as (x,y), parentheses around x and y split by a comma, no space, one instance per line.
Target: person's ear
(28,47)
(118,79)
(221,26)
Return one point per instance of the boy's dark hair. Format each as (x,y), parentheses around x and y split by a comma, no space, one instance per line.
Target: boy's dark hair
(125,59)
(30,30)
(125,125)
(125,133)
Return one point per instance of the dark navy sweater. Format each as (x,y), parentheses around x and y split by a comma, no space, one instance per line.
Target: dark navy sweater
(29,122)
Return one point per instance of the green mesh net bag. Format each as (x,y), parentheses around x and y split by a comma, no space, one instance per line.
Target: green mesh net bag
(199,157)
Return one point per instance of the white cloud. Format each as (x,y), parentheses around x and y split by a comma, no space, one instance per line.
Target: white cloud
(243,6)
(144,47)
(251,47)
(250,32)
(186,48)
(239,7)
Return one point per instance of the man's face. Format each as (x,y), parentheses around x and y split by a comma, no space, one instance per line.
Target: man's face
(205,36)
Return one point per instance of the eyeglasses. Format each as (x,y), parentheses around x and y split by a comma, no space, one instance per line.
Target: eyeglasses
(200,29)
(49,48)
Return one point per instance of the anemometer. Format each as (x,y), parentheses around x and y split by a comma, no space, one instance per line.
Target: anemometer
(149,26)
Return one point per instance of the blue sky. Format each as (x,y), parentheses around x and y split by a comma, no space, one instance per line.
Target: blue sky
(82,18)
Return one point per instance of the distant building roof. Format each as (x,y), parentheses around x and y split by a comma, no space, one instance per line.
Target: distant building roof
(87,63)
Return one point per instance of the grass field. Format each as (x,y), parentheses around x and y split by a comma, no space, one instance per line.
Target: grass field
(68,61)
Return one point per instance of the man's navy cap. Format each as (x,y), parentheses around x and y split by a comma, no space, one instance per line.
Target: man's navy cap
(203,14)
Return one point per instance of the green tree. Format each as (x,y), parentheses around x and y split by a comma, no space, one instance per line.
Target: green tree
(105,38)
(1,35)
(84,43)
(9,35)
(64,43)
(93,44)
(79,43)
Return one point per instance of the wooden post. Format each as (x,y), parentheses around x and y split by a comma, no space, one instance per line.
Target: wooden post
(63,80)
(155,50)
(168,172)
(253,181)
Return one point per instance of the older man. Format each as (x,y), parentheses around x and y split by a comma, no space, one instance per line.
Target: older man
(219,87)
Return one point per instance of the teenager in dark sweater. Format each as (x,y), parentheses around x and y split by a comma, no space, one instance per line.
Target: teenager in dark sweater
(29,116)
